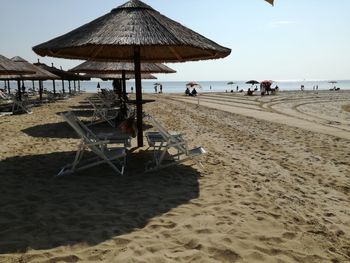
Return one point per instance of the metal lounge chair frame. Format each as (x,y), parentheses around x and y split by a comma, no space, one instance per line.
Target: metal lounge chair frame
(21,105)
(102,113)
(114,157)
(162,141)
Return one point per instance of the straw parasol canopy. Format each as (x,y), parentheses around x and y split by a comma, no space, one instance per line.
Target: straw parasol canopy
(109,76)
(134,32)
(112,37)
(270,1)
(38,73)
(8,67)
(62,74)
(118,67)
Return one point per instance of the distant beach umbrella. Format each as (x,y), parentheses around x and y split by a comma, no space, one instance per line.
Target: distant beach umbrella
(62,74)
(134,32)
(110,76)
(193,84)
(38,74)
(119,67)
(123,68)
(252,82)
(270,1)
(8,67)
(333,81)
(231,83)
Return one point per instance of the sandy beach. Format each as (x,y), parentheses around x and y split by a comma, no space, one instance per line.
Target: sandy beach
(275,187)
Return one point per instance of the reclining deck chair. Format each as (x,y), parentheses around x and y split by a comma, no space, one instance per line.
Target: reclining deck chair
(162,141)
(103,113)
(21,105)
(114,157)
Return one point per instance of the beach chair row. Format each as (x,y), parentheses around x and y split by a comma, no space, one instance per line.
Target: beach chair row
(168,149)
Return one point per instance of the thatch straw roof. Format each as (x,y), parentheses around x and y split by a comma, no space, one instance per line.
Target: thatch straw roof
(119,76)
(118,67)
(270,1)
(8,67)
(61,73)
(114,36)
(39,73)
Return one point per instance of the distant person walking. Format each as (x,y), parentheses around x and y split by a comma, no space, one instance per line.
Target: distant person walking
(237,89)
(132,89)
(161,88)
(155,89)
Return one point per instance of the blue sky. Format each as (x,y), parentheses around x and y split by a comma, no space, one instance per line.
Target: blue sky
(294,40)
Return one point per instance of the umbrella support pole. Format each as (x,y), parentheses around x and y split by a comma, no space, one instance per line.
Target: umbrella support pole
(63,91)
(137,63)
(54,87)
(19,90)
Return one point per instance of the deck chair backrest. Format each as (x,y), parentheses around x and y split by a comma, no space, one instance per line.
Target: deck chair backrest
(84,132)
(80,128)
(180,144)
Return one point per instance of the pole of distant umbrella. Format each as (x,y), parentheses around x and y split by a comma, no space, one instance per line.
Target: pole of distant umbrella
(54,87)
(63,86)
(75,87)
(137,64)
(41,90)
(69,87)
(124,85)
(79,86)
(8,87)
(19,89)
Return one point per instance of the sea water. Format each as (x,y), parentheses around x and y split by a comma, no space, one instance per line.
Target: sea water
(180,86)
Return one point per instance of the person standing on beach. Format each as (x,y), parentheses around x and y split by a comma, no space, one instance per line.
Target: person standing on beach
(161,88)
(237,89)
(155,89)
(132,89)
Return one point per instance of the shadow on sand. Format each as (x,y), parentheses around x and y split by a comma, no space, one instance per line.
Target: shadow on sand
(63,130)
(41,211)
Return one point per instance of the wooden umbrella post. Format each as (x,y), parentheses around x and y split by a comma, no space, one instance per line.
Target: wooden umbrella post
(138,96)
(40,90)
(69,88)
(54,87)
(19,89)
(124,85)
(63,86)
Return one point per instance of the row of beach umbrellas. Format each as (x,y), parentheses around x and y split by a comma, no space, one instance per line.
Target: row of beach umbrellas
(133,32)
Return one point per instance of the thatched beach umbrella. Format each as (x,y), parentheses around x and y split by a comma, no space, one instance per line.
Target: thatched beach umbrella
(133,32)
(122,68)
(38,74)
(270,1)
(63,75)
(119,67)
(110,76)
(8,67)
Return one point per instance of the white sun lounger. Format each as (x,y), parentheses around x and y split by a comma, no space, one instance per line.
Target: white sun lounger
(164,144)
(21,105)
(114,157)
(102,113)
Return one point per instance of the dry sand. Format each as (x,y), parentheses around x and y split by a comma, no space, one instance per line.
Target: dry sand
(275,189)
